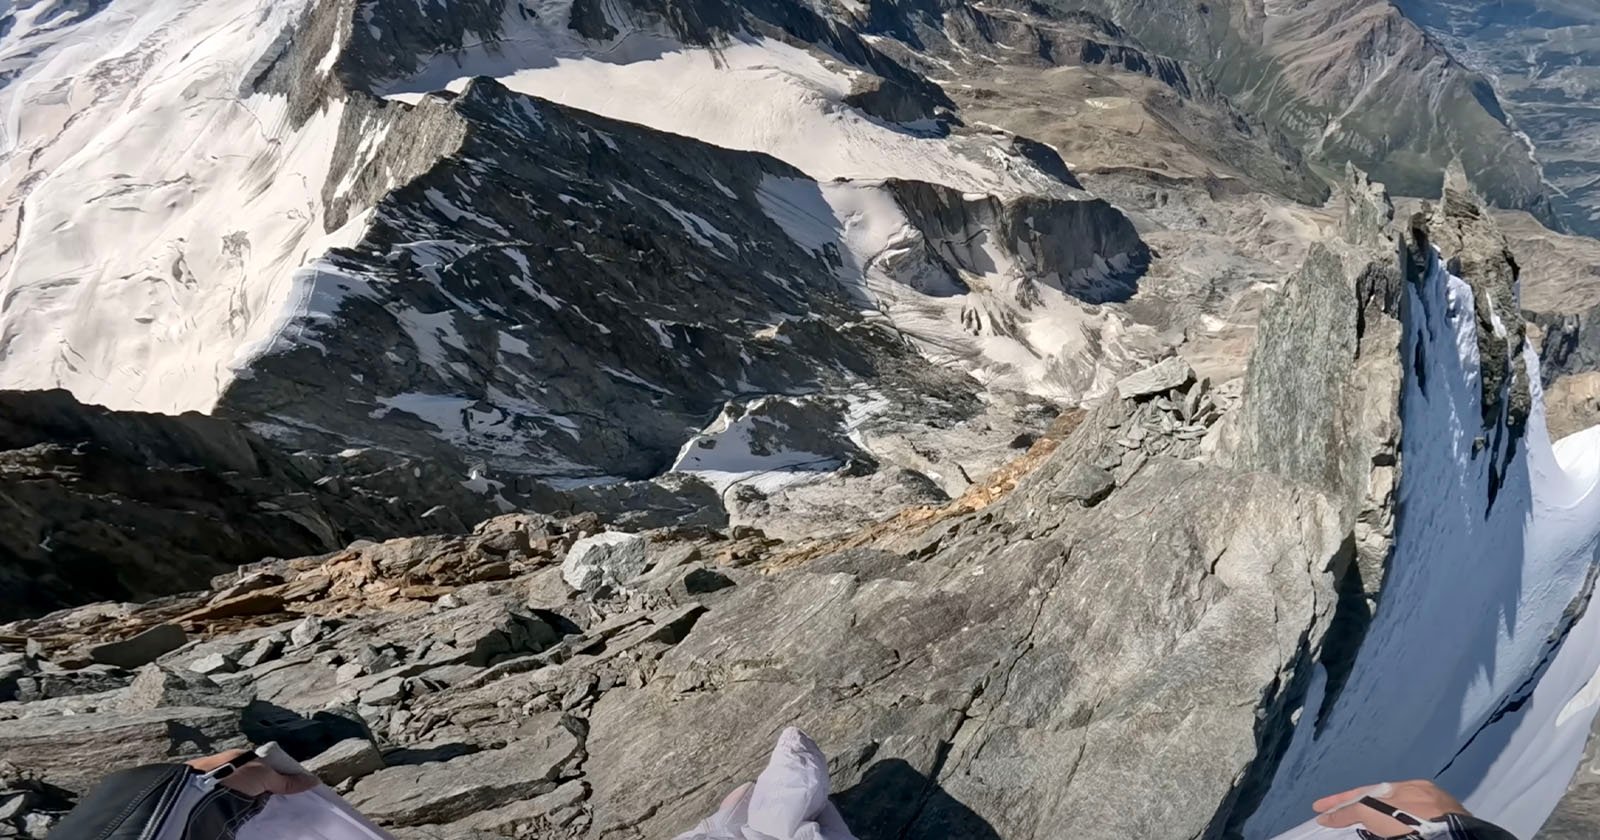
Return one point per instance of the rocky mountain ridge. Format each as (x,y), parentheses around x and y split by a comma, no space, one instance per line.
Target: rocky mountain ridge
(888,378)
(530,666)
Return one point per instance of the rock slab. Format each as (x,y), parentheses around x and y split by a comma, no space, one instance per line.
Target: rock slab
(604,560)
(142,649)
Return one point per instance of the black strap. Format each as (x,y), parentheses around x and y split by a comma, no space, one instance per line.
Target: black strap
(223,771)
(1390,811)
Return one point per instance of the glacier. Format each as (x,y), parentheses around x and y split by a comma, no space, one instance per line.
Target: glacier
(154,216)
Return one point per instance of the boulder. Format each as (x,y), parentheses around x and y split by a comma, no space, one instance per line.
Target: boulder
(266,649)
(352,758)
(75,751)
(155,687)
(1172,372)
(1084,484)
(604,560)
(52,683)
(309,630)
(216,663)
(390,692)
(698,580)
(141,649)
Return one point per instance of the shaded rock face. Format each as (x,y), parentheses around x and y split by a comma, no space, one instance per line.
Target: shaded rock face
(1481,257)
(584,311)
(397,41)
(1085,248)
(101,504)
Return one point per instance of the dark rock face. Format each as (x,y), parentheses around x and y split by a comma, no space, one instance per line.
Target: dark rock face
(116,505)
(1063,242)
(583,310)
(1481,256)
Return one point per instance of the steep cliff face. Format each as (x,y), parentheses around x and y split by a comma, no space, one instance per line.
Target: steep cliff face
(1472,669)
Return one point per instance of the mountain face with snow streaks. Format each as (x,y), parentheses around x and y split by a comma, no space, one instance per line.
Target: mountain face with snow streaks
(423,230)
(1004,392)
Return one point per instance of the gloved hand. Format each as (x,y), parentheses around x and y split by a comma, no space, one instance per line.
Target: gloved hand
(788,801)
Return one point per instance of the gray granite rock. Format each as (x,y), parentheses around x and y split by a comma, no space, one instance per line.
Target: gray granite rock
(52,683)
(75,751)
(348,760)
(214,663)
(140,649)
(155,687)
(1172,372)
(441,792)
(265,649)
(1086,485)
(307,631)
(604,560)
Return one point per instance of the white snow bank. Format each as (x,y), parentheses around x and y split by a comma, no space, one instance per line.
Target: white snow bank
(753,94)
(724,453)
(1002,326)
(1465,676)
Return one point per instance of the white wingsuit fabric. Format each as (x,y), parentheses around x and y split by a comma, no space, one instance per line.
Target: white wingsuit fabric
(788,801)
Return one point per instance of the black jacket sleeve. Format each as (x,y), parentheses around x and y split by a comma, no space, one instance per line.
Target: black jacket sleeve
(1463,827)
(123,804)
(138,804)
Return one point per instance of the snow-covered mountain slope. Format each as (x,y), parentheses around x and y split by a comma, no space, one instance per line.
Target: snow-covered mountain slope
(526,307)
(1477,668)
(153,216)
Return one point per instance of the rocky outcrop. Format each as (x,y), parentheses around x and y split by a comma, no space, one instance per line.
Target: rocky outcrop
(343,46)
(1459,226)
(117,505)
(582,313)
(1321,398)
(1321,409)
(554,323)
